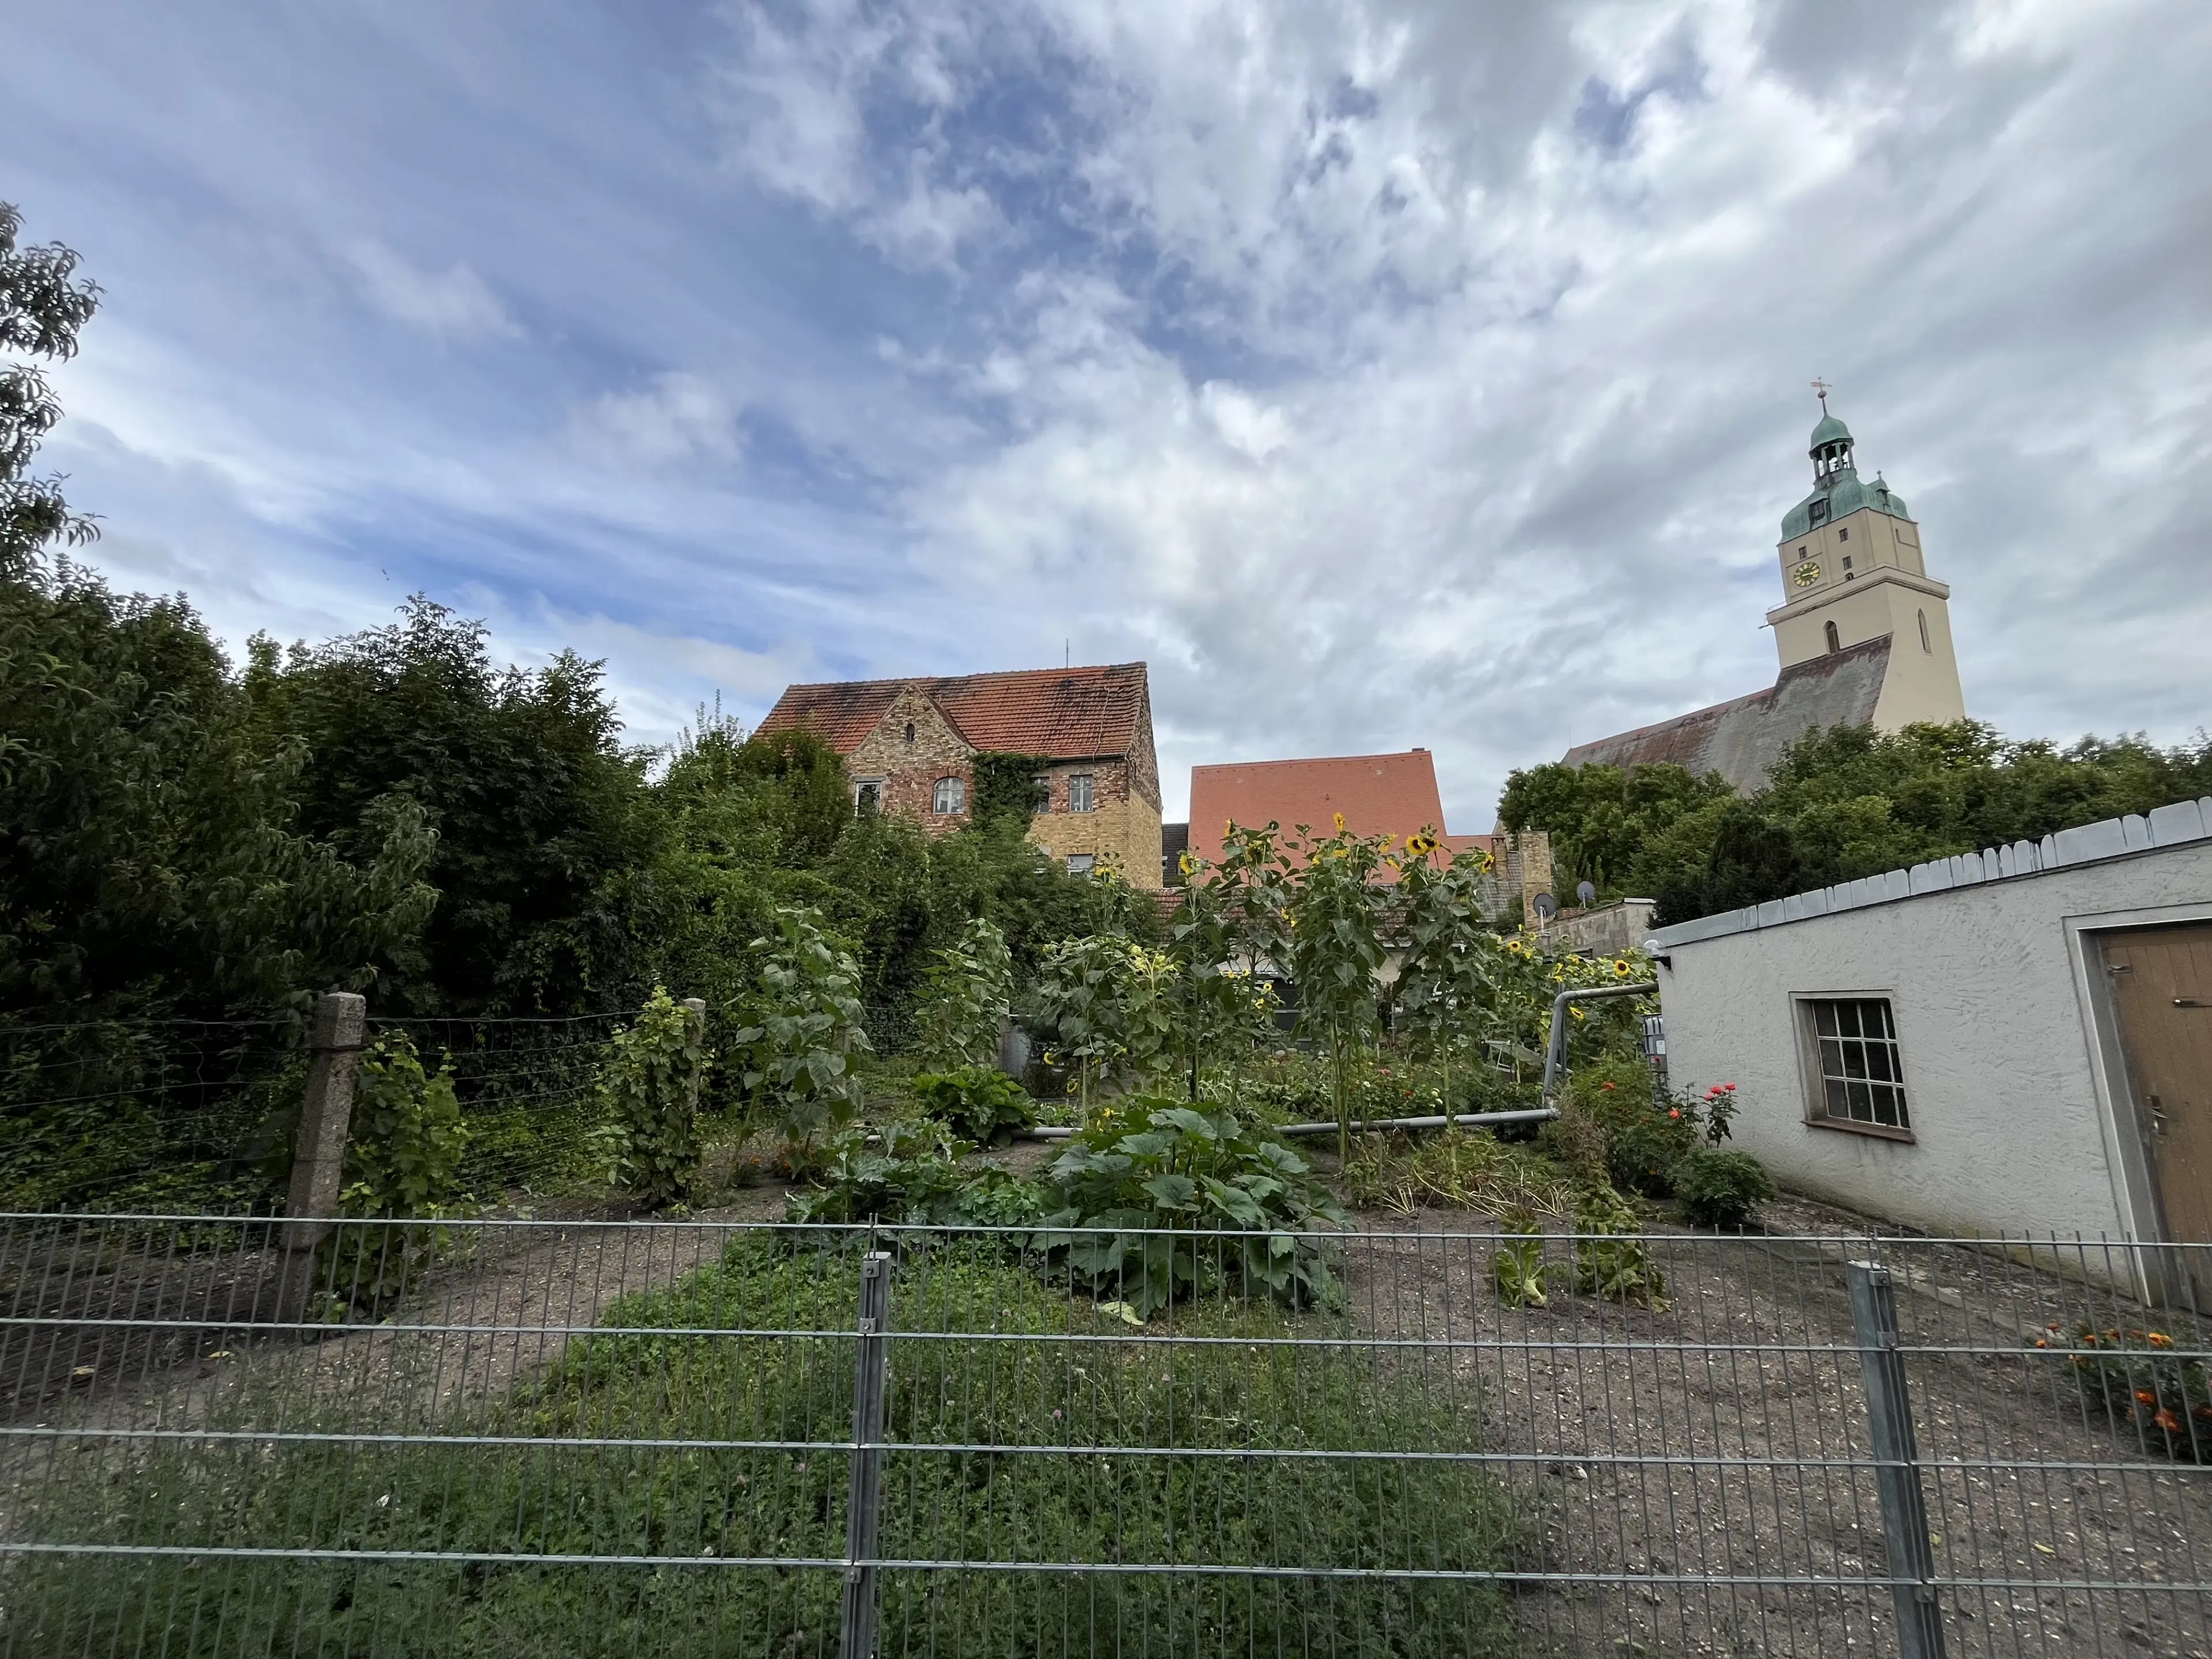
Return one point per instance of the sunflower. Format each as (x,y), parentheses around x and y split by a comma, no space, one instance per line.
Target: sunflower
(1340,823)
(1420,846)
(1620,970)
(1188,865)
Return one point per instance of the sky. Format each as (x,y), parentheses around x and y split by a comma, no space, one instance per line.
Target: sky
(1385,375)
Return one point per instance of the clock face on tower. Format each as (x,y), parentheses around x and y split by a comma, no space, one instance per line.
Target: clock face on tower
(1806,573)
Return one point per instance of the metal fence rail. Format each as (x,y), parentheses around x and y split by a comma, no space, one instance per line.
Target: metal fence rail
(694,1437)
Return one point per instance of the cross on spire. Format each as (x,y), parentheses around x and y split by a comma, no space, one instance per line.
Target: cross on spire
(1821,389)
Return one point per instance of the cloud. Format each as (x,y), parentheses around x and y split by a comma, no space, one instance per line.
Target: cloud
(454,304)
(676,416)
(1383,372)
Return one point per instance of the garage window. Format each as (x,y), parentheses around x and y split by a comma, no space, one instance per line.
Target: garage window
(1858,1071)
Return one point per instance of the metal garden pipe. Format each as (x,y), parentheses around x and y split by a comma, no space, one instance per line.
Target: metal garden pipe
(1533,1115)
(1555,1050)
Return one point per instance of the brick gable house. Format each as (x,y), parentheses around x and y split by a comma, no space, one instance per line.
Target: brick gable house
(910,746)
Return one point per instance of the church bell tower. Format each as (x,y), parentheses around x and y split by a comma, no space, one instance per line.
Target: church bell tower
(1853,575)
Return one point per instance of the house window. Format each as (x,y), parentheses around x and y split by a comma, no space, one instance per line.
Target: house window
(1078,793)
(1844,534)
(868,797)
(1078,864)
(951,796)
(1858,1075)
(1835,640)
(1847,561)
(1924,645)
(1818,513)
(910,731)
(1041,794)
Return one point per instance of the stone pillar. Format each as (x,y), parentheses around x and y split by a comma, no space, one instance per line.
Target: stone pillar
(319,1151)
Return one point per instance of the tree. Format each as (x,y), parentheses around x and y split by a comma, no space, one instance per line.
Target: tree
(43,304)
(151,858)
(521,773)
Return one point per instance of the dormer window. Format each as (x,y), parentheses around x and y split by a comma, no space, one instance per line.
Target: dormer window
(1819,512)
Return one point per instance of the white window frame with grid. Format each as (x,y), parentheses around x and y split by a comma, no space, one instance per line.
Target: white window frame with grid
(1082,792)
(1854,1063)
(948,797)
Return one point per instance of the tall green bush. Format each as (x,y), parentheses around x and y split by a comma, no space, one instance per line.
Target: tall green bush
(1336,951)
(649,1089)
(967,994)
(404,1146)
(802,1029)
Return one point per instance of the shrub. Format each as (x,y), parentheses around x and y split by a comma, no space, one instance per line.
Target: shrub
(1721,1189)
(980,1102)
(1517,1269)
(1153,1164)
(802,1029)
(649,1087)
(404,1150)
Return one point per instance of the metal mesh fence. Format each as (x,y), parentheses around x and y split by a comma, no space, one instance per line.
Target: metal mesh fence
(527,1088)
(147,1113)
(685,1438)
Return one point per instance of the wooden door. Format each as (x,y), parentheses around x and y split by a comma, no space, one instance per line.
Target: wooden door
(2161,980)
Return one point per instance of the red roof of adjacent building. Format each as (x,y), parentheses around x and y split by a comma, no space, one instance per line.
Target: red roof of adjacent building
(1377,794)
(1067,714)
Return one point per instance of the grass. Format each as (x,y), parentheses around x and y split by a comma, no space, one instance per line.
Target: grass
(1004,1360)
(1471,1170)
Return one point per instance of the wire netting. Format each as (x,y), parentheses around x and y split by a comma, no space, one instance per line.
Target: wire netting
(607,1437)
(148,1114)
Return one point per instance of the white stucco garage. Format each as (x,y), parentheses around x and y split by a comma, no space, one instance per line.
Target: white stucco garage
(1954,1046)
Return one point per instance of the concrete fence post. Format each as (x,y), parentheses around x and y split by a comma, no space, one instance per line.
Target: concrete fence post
(319,1152)
(1897,1463)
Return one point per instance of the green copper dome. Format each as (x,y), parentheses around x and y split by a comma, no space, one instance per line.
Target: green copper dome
(1830,431)
(1837,489)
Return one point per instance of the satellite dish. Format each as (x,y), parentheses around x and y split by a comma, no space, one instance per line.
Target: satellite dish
(1546,906)
(1585,895)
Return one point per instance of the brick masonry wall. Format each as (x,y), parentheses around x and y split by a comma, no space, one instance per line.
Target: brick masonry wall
(1123,825)
(910,769)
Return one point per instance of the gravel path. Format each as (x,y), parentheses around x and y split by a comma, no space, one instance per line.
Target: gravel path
(1741,1364)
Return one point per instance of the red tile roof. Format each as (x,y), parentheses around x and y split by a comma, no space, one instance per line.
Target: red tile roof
(1068,714)
(1378,794)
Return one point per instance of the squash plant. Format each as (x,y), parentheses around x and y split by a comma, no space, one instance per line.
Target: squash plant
(801,1029)
(649,1089)
(1145,1183)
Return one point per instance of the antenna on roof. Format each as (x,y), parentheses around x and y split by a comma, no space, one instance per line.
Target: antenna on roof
(1821,389)
(1067,653)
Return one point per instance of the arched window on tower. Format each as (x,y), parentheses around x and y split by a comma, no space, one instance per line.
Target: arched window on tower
(1924,645)
(1835,640)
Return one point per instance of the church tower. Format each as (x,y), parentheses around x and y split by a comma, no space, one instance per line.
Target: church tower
(1852,573)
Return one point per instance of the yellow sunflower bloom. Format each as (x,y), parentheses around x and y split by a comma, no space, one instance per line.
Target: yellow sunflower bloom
(1188,865)
(1340,823)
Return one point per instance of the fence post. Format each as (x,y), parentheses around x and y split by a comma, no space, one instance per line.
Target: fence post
(319,1150)
(863,1497)
(1897,1463)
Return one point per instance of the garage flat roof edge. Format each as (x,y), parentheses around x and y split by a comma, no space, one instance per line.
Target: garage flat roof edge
(2174,825)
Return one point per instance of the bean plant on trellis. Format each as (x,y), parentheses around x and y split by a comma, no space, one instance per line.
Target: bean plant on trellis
(1336,936)
(967,991)
(404,1146)
(648,1089)
(801,1029)
(1445,981)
